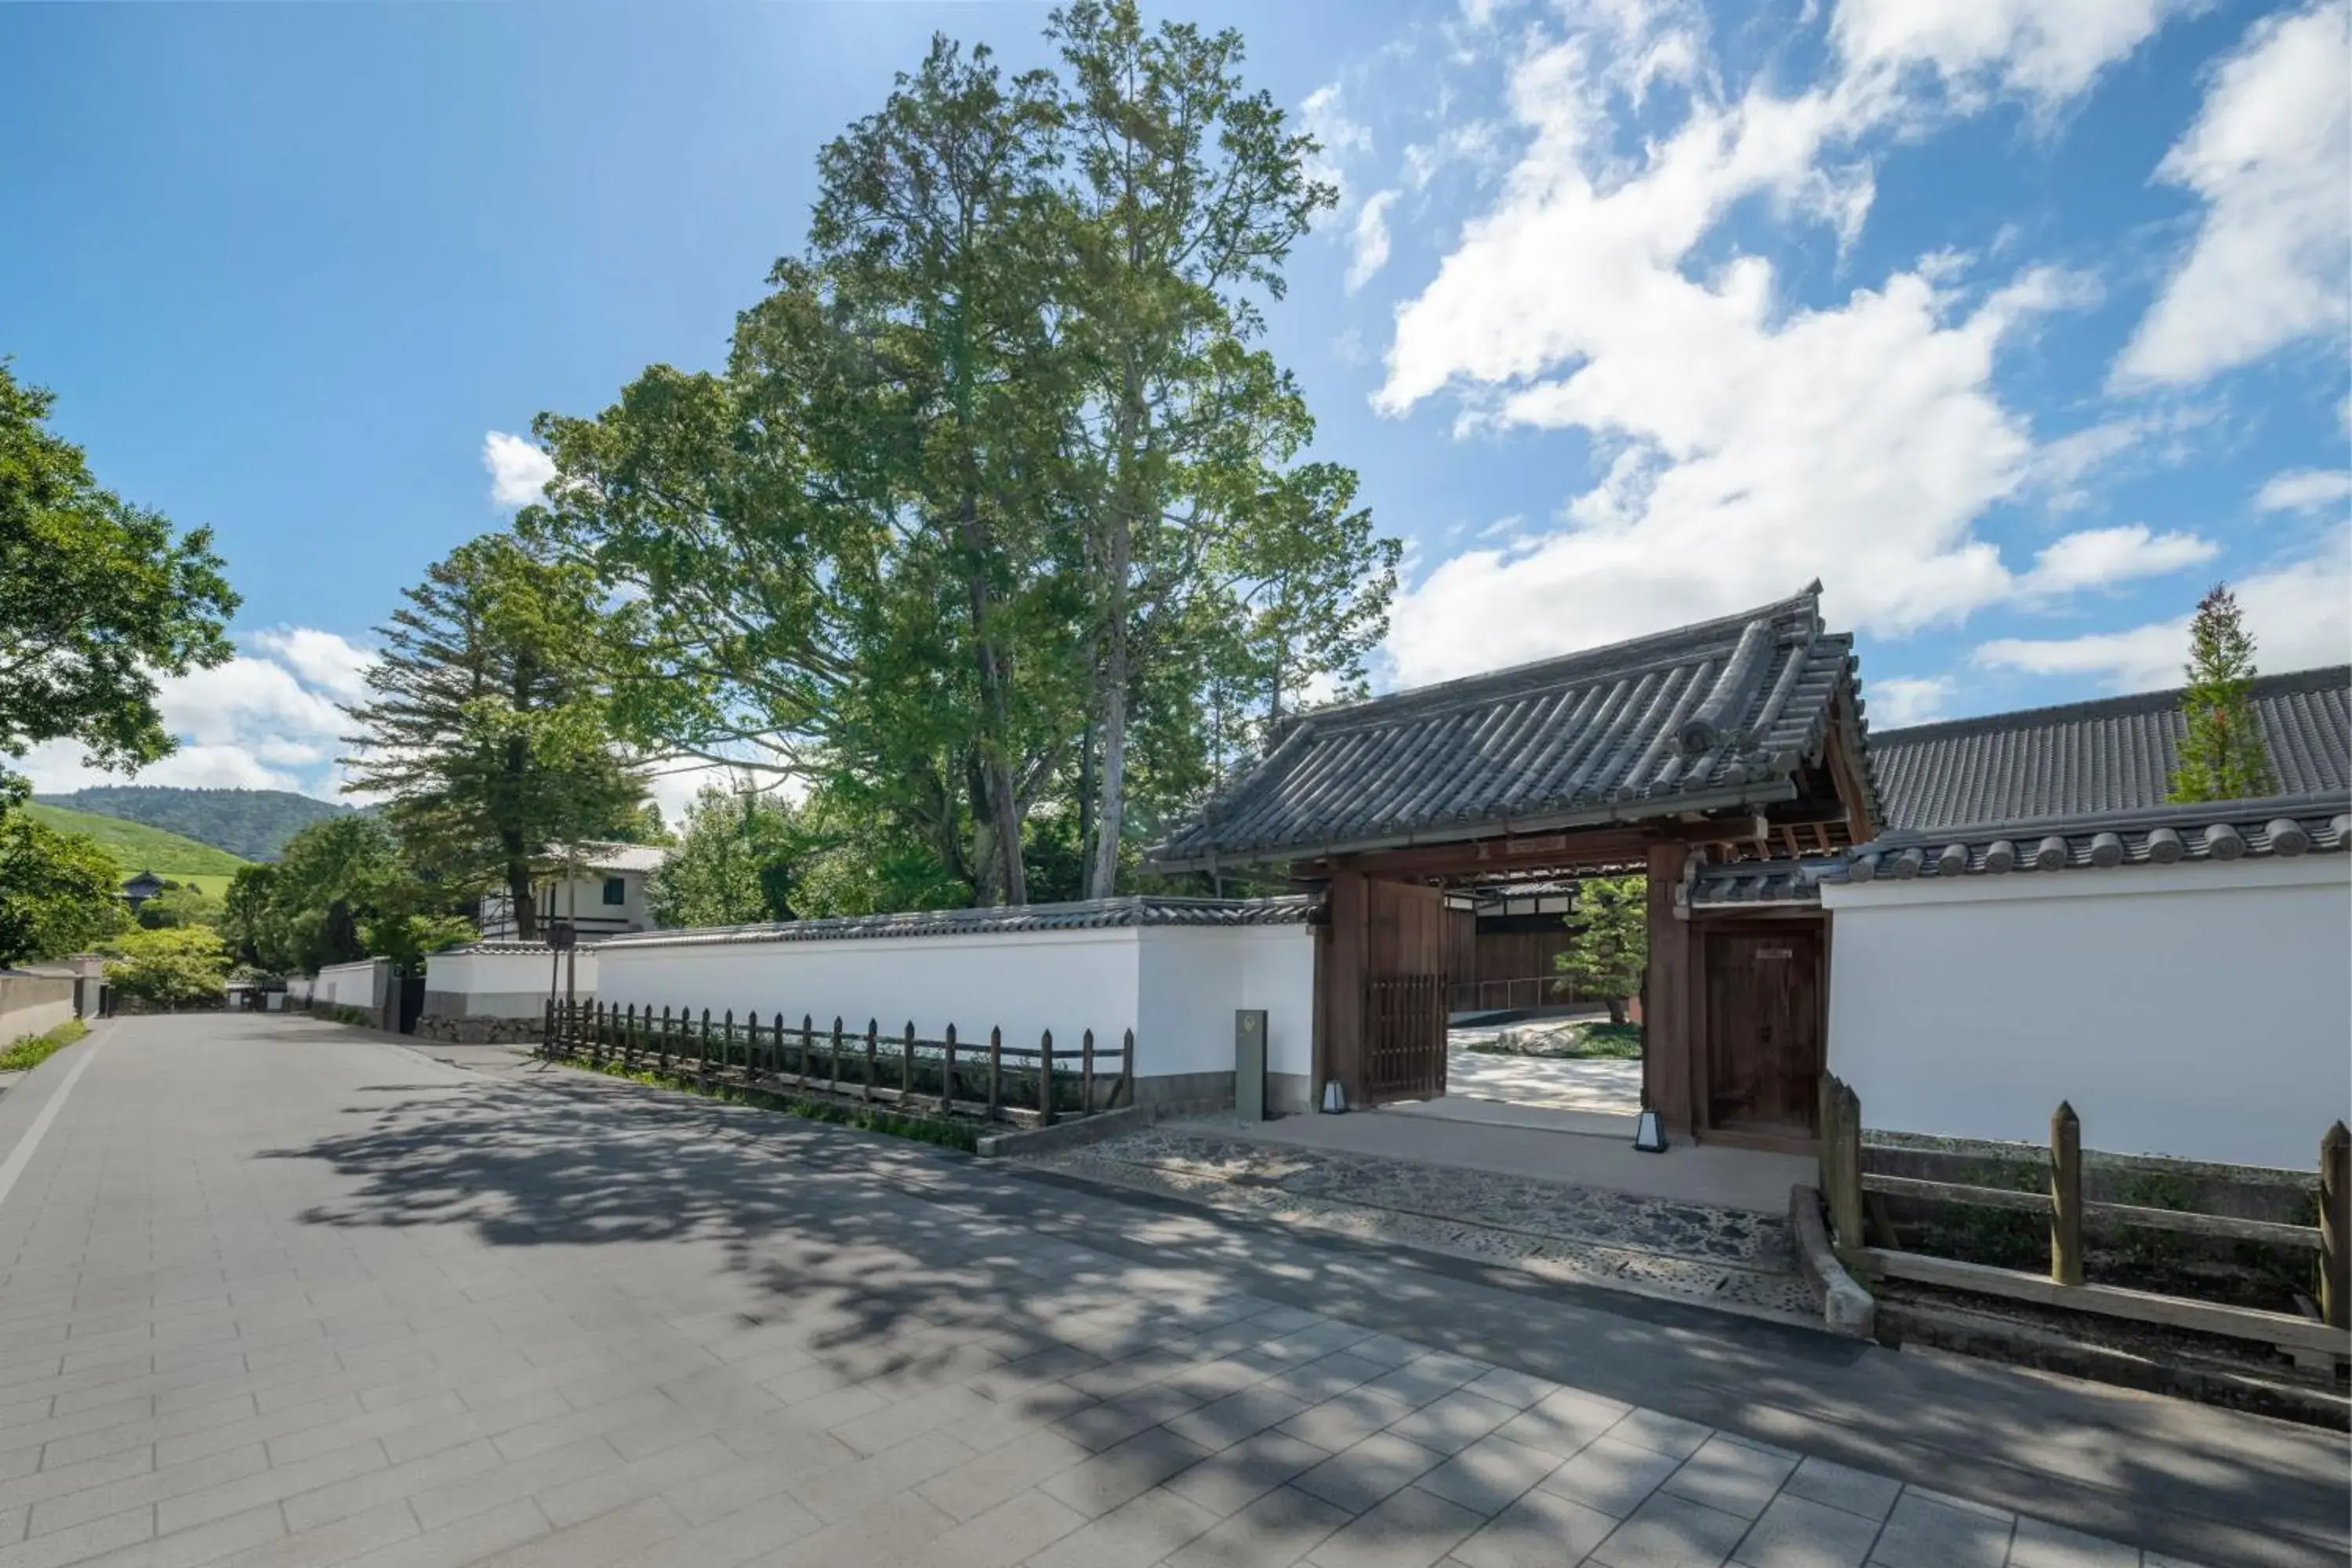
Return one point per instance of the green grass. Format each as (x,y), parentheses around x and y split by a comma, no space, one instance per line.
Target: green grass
(139,847)
(862,1119)
(31,1050)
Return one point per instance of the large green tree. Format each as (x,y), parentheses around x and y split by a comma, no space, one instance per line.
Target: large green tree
(2223,756)
(308,910)
(994,530)
(733,865)
(98,598)
(60,892)
(487,727)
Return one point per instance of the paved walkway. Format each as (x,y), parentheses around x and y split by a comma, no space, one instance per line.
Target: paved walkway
(274,1293)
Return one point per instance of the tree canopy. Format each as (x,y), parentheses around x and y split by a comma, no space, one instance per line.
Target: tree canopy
(98,598)
(60,892)
(1610,951)
(998,530)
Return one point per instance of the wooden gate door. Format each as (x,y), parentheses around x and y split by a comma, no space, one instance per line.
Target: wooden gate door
(1764,1029)
(1405,992)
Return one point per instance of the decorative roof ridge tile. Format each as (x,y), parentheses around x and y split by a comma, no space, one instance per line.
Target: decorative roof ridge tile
(1631,658)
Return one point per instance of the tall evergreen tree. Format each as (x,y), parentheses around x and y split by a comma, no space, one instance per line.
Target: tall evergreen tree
(486,726)
(2223,756)
(1610,951)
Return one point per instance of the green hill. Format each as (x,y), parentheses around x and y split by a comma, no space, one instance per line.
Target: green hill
(140,848)
(252,824)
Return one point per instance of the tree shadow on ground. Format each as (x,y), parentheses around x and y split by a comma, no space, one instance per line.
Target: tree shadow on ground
(905,1261)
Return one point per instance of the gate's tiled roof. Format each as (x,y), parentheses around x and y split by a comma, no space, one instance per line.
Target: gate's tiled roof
(2111,755)
(2154,836)
(1720,714)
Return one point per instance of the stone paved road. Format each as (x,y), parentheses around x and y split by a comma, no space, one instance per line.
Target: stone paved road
(276,1292)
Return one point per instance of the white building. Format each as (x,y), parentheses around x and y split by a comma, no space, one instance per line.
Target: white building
(601,893)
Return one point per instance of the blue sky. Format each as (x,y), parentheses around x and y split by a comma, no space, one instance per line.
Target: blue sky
(2018,324)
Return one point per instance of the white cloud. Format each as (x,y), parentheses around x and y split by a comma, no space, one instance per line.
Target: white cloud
(1904,699)
(271,718)
(1747,445)
(1324,116)
(322,659)
(2306,490)
(2271,156)
(1369,248)
(2295,611)
(518,470)
(2041,50)
(2103,557)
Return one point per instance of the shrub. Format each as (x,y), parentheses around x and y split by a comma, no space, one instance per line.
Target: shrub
(177,966)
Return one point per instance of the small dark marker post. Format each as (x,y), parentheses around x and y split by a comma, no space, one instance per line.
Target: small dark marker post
(1045,1079)
(907,1065)
(947,1075)
(995,1070)
(872,1037)
(2065,1195)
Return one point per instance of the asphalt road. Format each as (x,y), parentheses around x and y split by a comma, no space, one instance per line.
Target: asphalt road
(277,1291)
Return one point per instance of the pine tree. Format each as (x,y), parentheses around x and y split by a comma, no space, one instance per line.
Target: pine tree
(486,724)
(1610,949)
(2222,754)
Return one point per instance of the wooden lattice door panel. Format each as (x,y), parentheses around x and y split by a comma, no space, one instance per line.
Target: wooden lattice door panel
(1404,1037)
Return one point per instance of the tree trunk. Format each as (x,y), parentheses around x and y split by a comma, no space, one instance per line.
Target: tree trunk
(1104,881)
(521,900)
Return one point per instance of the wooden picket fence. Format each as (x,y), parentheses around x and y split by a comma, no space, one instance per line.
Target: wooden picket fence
(1026,1085)
(1845,1183)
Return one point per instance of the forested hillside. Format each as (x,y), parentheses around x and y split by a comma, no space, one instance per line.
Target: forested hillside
(251,824)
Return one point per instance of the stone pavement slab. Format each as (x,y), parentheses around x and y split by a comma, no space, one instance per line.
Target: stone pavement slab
(274,1291)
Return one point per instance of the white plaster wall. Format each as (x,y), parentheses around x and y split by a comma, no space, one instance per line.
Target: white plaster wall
(1023,982)
(502,984)
(2201,1011)
(349,984)
(1194,978)
(34,1004)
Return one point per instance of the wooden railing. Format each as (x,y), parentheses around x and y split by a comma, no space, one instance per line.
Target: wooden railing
(991,1080)
(1845,1183)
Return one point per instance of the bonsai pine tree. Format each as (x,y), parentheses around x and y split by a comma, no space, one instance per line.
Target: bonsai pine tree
(1610,948)
(2221,756)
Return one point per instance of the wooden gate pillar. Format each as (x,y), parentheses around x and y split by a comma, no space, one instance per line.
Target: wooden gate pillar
(1343,983)
(1671,1034)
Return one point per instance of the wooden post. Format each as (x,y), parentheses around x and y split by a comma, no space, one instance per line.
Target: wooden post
(2065,1195)
(727,1043)
(702,1051)
(808,1026)
(947,1076)
(832,1059)
(2336,1227)
(995,1070)
(1087,1072)
(1126,1071)
(1343,984)
(907,1065)
(873,1036)
(596,1033)
(661,1043)
(1045,1079)
(1841,1166)
(546,1031)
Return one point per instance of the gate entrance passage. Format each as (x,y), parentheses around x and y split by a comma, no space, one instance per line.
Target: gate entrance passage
(1723,762)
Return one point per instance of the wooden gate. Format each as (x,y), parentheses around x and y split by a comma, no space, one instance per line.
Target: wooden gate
(1404,1037)
(1764,1029)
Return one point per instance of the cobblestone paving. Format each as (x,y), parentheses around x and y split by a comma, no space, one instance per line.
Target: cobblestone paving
(274,1294)
(1569,1234)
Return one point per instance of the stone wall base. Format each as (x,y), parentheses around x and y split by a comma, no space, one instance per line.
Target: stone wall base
(479,1031)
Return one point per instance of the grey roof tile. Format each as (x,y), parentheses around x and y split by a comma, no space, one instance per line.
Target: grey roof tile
(2159,836)
(1721,712)
(1086,914)
(2111,755)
